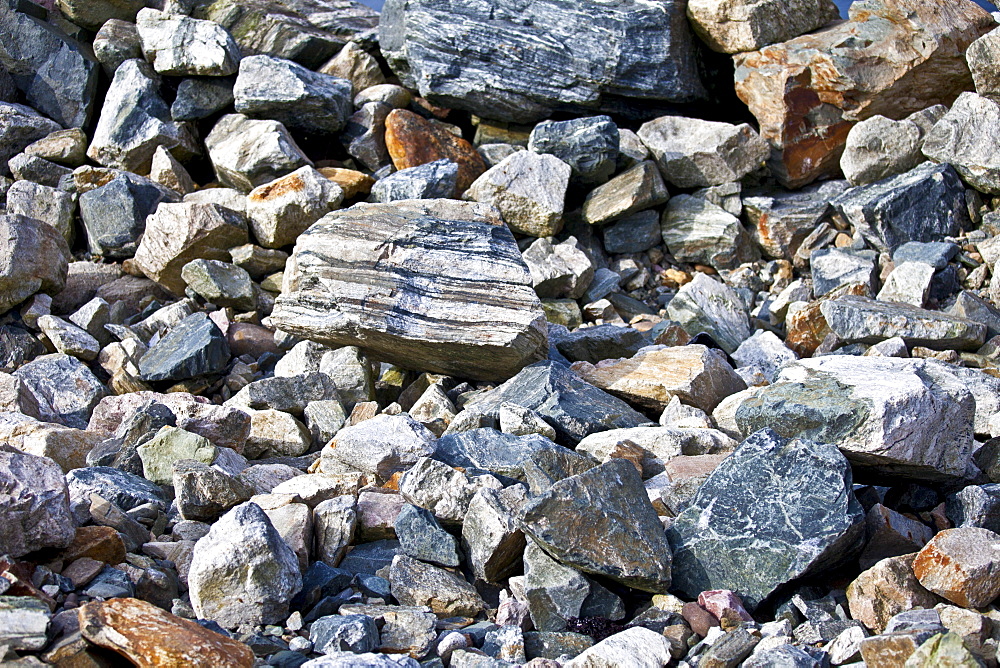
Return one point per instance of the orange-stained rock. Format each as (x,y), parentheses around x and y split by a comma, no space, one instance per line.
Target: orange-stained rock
(247,338)
(412,141)
(351,181)
(98,543)
(962,565)
(153,638)
(806,327)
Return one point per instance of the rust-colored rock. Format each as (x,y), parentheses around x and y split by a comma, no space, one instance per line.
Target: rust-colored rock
(962,565)
(98,543)
(885,590)
(412,141)
(806,327)
(351,181)
(153,638)
(892,57)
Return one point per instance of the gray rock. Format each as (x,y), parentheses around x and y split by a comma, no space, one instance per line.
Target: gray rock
(975,506)
(364,135)
(491,450)
(334,524)
(633,234)
(652,52)
(638,647)
(366,660)
(383,445)
(692,153)
(748,25)
(638,188)
(588,145)
(834,267)
(445,491)
(981,56)
(863,320)
(353,372)
(35,259)
(204,492)
(889,416)
(243,551)
(879,147)
(182,46)
(287,92)
(116,41)
(934,253)
(625,540)
(528,189)
(135,120)
(421,537)
(344,633)
(114,215)
(957,139)
(258,262)
(452,322)
(68,338)
(34,513)
(291,394)
(194,347)
(24,621)
(92,15)
(594,344)
(248,153)
(31,168)
(491,537)
(908,283)
(446,594)
(605,281)
(220,283)
(773,511)
(125,490)
(281,210)
(432,180)
(926,203)
(49,205)
(783,656)
(63,386)
(707,305)
(765,351)
(558,270)
(698,231)
(200,98)
(782,219)
(20,126)
(57,74)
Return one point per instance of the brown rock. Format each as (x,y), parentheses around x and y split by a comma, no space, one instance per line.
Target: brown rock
(352,182)
(700,619)
(806,327)
(892,649)
(962,565)
(153,638)
(245,338)
(413,141)
(82,571)
(893,57)
(886,589)
(98,543)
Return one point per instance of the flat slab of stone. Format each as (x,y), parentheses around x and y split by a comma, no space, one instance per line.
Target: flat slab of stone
(433,285)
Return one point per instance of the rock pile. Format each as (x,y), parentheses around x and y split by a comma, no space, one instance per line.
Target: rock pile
(490,334)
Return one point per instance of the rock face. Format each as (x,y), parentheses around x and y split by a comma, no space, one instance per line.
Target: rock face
(35,259)
(957,139)
(34,504)
(773,511)
(734,26)
(698,231)
(182,46)
(641,51)
(443,289)
(961,565)
(807,92)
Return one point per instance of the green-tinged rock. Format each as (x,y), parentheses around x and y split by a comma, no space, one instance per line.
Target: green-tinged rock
(169,445)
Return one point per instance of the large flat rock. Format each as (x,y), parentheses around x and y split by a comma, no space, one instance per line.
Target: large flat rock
(434,285)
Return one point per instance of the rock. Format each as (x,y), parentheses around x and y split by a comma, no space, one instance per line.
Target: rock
(891,534)
(953,140)
(528,189)
(25,621)
(640,647)
(975,506)
(243,551)
(116,41)
(748,25)
(908,283)
(49,205)
(980,56)
(123,489)
(149,636)
(692,153)
(491,537)
(443,233)
(942,649)
(864,320)
(168,445)
(807,92)
(879,148)
(284,91)
(179,233)
(21,126)
(364,135)
(114,214)
(765,351)
(558,270)
(168,43)
(66,447)
(447,595)
(168,172)
(833,268)
(751,553)
(200,98)
(65,147)
(491,82)
(412,141)
(638,188)
(434,180)
(220,283)
(886,589)
(334,521)
(926,203)
(57,74)
(383,445)
(421,537)
(709,306)
(698,231)
(588,145)
(277,434)
(247,153)
(572,406)
(344,633)
(367,660)
(594,344)
(194,347)
(204,492)
(354,64)
(444,491)
(291,394)
(68,338)
(780,219)
(490,450)
(27,167)
(135,120)
(64,388)
(961,565)
(258,262)
(633,234)
(35,510)
(352,182)
(35,259)
(92,15)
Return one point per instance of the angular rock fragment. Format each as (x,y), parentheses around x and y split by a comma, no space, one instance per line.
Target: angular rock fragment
(447,595)
(364,135)
(344,633)
(247,153)
(204,492)
(182,46)
(443,490)
(383,445)
(961,565)
(19,127)
(354,64)
(195,347)
(443,258)
(335,521)
(421,537)
(588,145)
(886,589)
(35,509)
(491,537)
(23,622)
(640,187)
(833,268)
(281,210)
(735,26)
(35,258)
(707,305)
(114,214)
(49,205)
(116,41)
(65,389)
(200,98)
(558,270)
(698,231)
(782,219)
(68,338)
(639,647)
(434,180)
(879,147)
(412,141)
(220,283)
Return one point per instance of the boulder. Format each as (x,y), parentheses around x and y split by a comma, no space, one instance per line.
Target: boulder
(35,258)
(114,214)
(864,320)
(957,139)
(35,510)
(961,565)
(710,306)
(64,388)
(247,153)
(638,188)
(885,590)
(700,232)
(183,46)
(734,26)
(281,210)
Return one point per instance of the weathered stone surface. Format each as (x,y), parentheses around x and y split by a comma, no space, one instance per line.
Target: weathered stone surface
(183,46)
(276,434)
(65,446)
(114,215)
(624,539)
(413,140)
(638,188)
(433,180)
(588,145)
(975,506)
(168,172)
(866,406)
(447,595)
(220,283)
(23,622)
(19,127)
(908,283)
(864,320)
(491,450)
(891,534)
(287,92)
(445,491)
(242,552)
(491,537)
(194,347)
(123,489)
(833,268)
(167,446)
(981,55)
(149,636)
(344,633)
(785,509)
(384,445)
(633,234)
(335,522)
(528,189)
(698,231)
(961,565)
(93,15)
(247,153)
(879,147)
(807,92)
(692,153)
(558,270)
(135,120)
(364,135)
(710,306)
(695,374)
(356,65)
(204,492)
(638,647)
(49,205)
(958,139)
(944,649)
(179,233)
(735,26)
(35,258)
(782,219)
(68,338)
(64,388)
(651,57)
(421,537)
(287,393)
(926,203)
(454,266)
(572,406)
(34,513)
(886,589)
(116,41)
(200,98)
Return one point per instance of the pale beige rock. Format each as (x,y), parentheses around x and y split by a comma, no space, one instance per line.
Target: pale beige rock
(281,210)
(962,565)
(357,66)
(276,434)
(334,522)
(886,589)
(294,523)
(732,26)
(65,446)
(167,171)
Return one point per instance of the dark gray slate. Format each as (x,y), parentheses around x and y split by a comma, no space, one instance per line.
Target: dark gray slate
(593,344)
(975,506)
(491,450)
(199,98)
(20,126)
(57,74)
(125,490)
(574,407)
(972,306)
(520,61)
(935,253)
(601,522)
(773,511)
(370,557)
(364,135)
(194,347)
(421,537)
(633,234)
(64,387)
(588,145)
(114,215)
(926,203)
(111,583)
(429,181)
(834,267)
(863,320)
